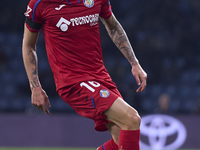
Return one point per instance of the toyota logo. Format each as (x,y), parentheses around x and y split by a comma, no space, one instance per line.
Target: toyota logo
(161,132)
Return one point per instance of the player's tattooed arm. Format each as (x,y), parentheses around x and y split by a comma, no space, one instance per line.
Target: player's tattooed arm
(30,58)
(119,37)
(33,79)
(39,97)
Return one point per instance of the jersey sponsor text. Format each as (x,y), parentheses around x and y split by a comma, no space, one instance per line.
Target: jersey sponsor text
(92,19)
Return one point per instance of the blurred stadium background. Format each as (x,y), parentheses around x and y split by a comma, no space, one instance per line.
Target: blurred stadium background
(164,34)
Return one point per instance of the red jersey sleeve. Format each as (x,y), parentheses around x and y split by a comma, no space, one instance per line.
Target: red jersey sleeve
(33,16)
(106,10)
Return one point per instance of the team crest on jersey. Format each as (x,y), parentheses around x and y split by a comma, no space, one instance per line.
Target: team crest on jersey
(104,93)
(88,3)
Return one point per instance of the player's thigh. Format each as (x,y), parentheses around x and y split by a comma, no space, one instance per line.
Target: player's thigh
(123,115)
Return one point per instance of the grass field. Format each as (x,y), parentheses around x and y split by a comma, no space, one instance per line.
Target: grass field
(14,148)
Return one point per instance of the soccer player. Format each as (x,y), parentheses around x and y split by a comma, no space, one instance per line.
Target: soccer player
(71,33)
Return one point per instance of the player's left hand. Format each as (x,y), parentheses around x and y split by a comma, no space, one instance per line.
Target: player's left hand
(140,77)
(40,99)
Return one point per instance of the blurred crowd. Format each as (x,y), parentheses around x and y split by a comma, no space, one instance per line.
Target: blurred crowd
(164,35)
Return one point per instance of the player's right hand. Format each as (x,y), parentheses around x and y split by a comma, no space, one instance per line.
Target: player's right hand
(40,99)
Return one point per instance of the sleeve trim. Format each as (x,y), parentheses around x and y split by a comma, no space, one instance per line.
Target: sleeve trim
(30,29)
(33,24)
(34,8)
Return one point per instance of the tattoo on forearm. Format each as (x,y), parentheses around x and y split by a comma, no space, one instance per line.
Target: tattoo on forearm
(120,39)
(35,84)
(33,59)
(29,52)
(33,76)
(34,72)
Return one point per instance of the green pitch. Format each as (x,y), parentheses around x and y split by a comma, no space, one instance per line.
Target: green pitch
(4,148)
(13,148)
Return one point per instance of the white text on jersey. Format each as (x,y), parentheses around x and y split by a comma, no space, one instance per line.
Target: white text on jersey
(28,11)
(92,19)
(64,23)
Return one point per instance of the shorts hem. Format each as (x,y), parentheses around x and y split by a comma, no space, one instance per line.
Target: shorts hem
(102,127)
